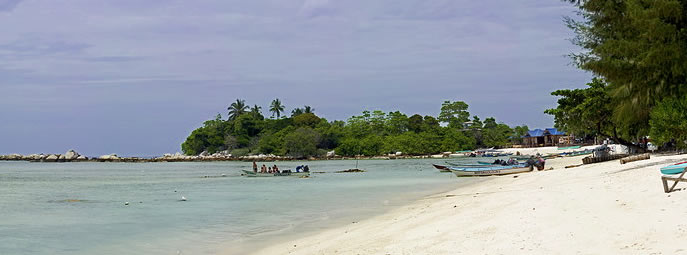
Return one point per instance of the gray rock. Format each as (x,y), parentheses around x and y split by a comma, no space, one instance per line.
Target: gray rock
(109,157)
(51,158)
(71,155)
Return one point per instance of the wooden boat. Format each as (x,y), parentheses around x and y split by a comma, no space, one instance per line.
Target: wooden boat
(674,169)
(293,174)
(487,171)
(464,165)
(485,163)
(441,168)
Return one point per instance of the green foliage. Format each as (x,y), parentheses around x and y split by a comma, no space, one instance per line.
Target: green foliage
(584,111)
(518,133)
(302,143)
(496,135)
(306,120)
(669,122)
(237,108)
(276,107)
(640,48)
(256,112)
(371,133)
(454,113)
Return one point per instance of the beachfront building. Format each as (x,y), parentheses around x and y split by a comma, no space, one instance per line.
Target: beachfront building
(543,137)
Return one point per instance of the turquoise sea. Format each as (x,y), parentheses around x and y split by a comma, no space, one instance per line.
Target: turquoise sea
(79,208)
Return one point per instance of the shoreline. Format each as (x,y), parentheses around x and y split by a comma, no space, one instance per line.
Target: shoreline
(602,208)
(73,156)
(315,227)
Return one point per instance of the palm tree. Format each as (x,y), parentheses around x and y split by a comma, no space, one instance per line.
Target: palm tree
(237,108)
(296,112)
(308,109)
(256,112)
(276,108)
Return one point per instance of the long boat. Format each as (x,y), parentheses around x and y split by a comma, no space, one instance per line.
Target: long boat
(464,165)
(293,174)
(486,171)
(485,163)
(441,168)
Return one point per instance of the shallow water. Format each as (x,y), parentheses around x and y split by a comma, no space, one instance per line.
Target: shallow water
(79,208)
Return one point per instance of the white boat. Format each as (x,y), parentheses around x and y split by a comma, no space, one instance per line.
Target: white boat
(486,171)
(294,174)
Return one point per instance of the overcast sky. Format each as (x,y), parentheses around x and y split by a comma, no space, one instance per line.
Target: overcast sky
(135,77)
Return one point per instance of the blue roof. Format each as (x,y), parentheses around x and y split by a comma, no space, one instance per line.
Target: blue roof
(539,132)
(554,131)
(535,133)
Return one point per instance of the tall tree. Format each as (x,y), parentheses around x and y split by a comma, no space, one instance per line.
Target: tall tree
(276,108)
(237,108)
(256,112)
(639,47)
(296,111)
(587,111)
(454,113)
(308,109)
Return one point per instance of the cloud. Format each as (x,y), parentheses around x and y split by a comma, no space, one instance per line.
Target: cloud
(8,5)
(343,56)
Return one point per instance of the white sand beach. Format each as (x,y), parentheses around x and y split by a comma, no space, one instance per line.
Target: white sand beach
(603,208)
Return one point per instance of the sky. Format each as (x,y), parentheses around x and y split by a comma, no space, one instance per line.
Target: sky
(135,77)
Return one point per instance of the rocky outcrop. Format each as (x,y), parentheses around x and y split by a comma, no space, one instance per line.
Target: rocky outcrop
(111,157)
(52,158)
(71,155)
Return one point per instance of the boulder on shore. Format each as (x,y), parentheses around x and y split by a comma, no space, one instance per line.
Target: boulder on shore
(51,158)
(109,157)
(71,155)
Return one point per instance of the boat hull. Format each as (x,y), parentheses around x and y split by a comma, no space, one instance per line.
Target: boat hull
(292,174)
(488,172)
(673,169)
(441,168)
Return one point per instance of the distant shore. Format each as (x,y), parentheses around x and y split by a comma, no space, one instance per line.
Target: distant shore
(184,158)
(603,208)
(73,156)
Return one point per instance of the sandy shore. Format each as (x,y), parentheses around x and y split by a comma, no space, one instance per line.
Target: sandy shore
(603,208)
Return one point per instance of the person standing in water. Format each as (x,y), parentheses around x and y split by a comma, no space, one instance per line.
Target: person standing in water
(255,167)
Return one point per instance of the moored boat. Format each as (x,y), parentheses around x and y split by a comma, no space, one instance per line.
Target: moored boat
(442,168)
(463,164)
(486,171)
(283,173)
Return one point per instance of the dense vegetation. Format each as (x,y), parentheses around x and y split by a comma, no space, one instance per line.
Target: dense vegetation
(638,50)
(304,134)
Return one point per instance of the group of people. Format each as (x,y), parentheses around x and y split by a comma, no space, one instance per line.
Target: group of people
(537,162)
(265,169)
(303,168)
(275,170)
(509,162)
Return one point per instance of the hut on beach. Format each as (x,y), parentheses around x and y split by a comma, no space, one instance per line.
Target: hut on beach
(543,137)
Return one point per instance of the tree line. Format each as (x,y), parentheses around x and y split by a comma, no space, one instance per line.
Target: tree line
(304,134)
(637,50)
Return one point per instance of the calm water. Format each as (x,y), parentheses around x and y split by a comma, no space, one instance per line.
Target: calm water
(78,208)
